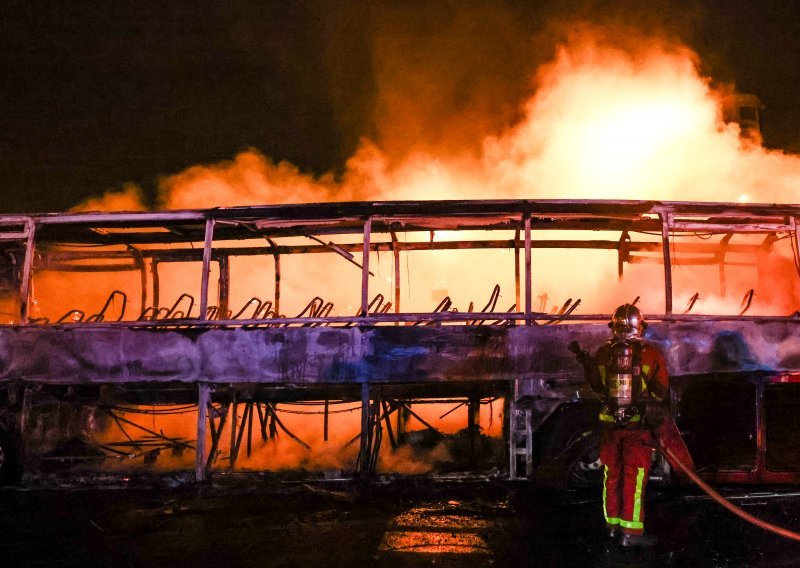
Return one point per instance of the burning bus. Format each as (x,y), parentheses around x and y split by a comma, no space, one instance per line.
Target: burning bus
(345,336)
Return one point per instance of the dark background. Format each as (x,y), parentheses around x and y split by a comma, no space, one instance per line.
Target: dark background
(97,93)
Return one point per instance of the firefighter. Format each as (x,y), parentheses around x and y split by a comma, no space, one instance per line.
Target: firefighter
(631,377)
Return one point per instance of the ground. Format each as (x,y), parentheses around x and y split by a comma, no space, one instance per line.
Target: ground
(261,521)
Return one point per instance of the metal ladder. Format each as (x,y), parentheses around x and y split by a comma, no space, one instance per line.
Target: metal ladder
(520,442)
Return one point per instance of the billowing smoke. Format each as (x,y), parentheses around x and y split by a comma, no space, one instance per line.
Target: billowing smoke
(604,121)
(603,118)
(129,198)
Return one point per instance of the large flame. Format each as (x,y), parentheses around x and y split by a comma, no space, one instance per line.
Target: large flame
(610,124)
(604,121)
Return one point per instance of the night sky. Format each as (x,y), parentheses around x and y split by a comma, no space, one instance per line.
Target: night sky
(99,93)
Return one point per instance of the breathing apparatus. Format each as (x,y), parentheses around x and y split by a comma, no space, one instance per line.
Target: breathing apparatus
(622,390)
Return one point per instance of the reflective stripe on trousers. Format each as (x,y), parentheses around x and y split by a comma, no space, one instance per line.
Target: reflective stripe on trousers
(609,520)
(626,454)
(636,521)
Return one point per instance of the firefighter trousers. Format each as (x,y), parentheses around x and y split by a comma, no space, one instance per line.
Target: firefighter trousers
(626,455)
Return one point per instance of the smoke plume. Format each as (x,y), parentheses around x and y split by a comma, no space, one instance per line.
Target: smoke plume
(604,120)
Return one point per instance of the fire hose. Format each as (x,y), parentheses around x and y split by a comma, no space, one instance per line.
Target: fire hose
(724,502)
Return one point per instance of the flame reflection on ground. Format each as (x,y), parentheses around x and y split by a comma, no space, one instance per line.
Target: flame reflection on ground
(440,528)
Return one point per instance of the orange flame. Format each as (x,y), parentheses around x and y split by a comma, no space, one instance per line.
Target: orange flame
(605,121)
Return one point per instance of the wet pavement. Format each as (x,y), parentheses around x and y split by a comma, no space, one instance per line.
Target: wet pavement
(393,522)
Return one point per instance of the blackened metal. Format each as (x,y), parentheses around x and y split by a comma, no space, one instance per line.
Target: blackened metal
(277,258)
(666,223)
(490,306)
(402,422)
(796,221)
(208,242)
(325,422)
(262,421)
(70,316)
(623,253)
(362,461)
(258,303)
(234,413)
(172,313)
(27,272)
(277,422)
(196,255)
(565,311)
(396,273)
(250,430)
(724,245)
(100,316)
(338,250)
(516,269)
(376,436)
(473,428)
(203,400)
(528,283)
(418,417)
(159,435)
(365,273)
(387,411)
(140,264)
(456,407)
(156,284)
(746,301)
(246,418)
(224,286)
(692,301)
(213,414)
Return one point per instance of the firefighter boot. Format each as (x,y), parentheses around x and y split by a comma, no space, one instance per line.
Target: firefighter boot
(612,531)
(629,540)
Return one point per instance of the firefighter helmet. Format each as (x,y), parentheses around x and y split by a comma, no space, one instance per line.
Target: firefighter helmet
(627,321)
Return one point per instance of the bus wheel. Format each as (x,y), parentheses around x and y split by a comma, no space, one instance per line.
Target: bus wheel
(572,440)
(586,471)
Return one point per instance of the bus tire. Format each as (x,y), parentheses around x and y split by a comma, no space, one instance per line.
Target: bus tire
(575,424)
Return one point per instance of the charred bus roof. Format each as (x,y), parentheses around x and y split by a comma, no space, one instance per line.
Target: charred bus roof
(349,217)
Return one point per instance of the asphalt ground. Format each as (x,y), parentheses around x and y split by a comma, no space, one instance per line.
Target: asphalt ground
(398,522)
